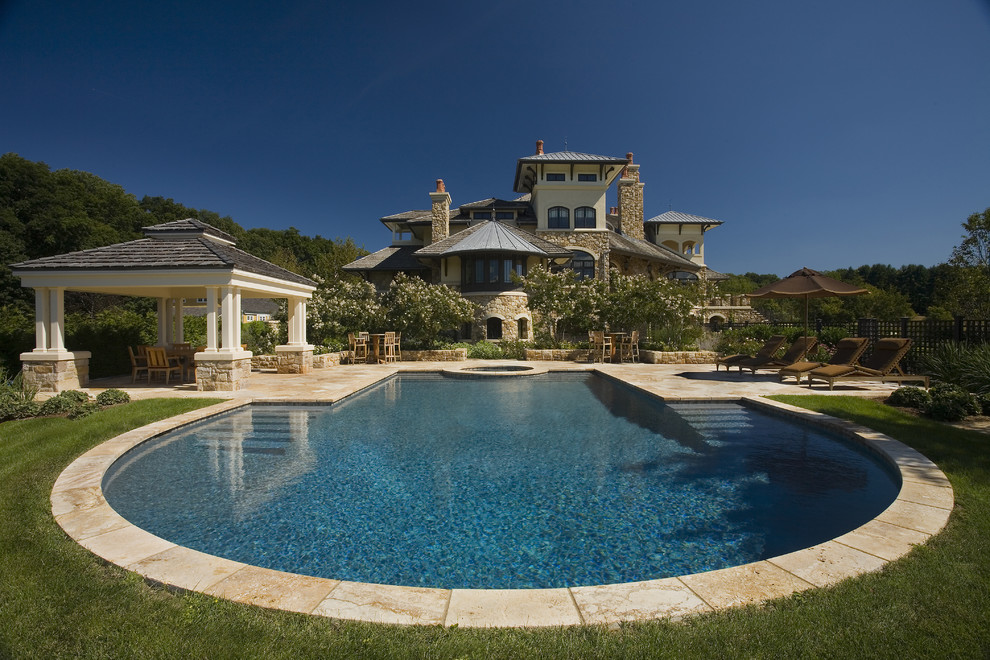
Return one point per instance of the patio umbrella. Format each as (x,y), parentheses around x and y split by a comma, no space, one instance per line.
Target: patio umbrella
(807,284)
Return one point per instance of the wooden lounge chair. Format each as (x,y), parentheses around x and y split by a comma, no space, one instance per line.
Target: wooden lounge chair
(847,351)
(770,347)
(886,357)
(159,363)
(139,363)
(387,353)
(795,352)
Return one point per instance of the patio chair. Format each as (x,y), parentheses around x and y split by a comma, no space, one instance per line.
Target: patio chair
(887,354)
(139,363)
(601,346)
(770,347)
(795,352)
(358,347)
(398,346)
(847,351)
(388,348)
(629,347)
(159,363)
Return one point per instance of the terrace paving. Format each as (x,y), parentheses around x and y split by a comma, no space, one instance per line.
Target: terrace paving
(921,510)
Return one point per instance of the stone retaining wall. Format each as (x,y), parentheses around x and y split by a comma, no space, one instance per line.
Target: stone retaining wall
(57,375)
(677,357)
(557,354)
(447,355)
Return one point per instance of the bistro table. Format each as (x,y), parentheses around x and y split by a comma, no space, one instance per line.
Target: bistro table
(185,356)
(616,337)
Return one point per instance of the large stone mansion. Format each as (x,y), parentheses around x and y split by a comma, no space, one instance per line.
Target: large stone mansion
(560,221)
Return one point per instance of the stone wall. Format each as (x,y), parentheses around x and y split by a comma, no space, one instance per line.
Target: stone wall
(631,202)
(294,362)
(264,362)
(446,355)
(509,306)
(57,374)
(557,354)
(594,243)
(677,357)
(223,375)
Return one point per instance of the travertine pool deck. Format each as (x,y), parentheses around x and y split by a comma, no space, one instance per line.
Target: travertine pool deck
(921,509)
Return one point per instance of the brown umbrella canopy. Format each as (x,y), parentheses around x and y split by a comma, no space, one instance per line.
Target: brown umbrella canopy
(807,283)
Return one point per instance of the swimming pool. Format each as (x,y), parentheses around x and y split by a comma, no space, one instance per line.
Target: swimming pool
(555,481)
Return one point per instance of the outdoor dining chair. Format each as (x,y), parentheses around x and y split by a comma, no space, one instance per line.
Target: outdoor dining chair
(139,363)
(159,363)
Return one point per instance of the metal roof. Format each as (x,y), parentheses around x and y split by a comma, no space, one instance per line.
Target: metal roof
(493,236)
(572,157)
(678,218)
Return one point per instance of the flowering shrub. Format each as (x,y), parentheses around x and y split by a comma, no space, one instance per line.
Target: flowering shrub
(340,307)
(422,311)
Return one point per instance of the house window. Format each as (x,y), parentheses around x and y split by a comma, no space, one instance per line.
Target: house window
(482,215)
(583,264)
(555,176)
(522,327)
(491,272)
(559,217)
(504,215)
(493,328)
(587,177)
(584,217)
(402,234)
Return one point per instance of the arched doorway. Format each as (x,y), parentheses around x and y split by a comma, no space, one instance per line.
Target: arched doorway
(493,328)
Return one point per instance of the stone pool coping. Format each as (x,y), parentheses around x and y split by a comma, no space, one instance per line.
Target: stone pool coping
(921,510)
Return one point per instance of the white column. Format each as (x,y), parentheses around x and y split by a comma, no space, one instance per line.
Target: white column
(162,321)
(237,319)
(42,320)
(170,322)
(229,321)
(302,321)
(179,327)
(211,319)
(56,319)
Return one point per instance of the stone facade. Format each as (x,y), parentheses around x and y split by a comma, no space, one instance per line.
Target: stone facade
(222,373)
(594,243)
(292,360)
(509,306)
(264,362)
(66,371)
(677,357)
(631,212)
(440,212)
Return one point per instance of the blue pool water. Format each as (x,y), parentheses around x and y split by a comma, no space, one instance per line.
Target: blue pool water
(545,481)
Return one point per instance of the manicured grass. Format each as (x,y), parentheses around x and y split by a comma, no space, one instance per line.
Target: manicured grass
(58,600)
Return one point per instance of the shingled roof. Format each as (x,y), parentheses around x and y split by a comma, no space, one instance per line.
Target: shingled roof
(173,246)
(389,259)
(637,247)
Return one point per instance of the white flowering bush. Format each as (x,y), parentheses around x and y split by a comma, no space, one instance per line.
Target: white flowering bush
(423,311)
(342,306)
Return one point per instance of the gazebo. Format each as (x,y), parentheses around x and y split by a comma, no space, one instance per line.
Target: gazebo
(185,259)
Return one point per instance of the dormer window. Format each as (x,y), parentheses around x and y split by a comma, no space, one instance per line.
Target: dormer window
(555,176)
(402,235)
(584,217)
(559,217)
(587,177)
(482,215)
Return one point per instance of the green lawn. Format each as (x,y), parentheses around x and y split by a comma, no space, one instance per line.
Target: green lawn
(58,600)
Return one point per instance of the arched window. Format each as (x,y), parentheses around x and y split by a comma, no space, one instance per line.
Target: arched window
(493,327)
(583,264)
(584,217)
(559,217)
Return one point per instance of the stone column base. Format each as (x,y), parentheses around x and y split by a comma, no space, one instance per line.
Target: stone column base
(294,359)
(56,371)
(222,372)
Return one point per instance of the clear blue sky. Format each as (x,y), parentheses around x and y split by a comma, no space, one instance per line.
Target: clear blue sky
(825,134)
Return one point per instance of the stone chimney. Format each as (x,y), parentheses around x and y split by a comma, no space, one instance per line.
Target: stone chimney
(631,201)
(441,212)
(539,147)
